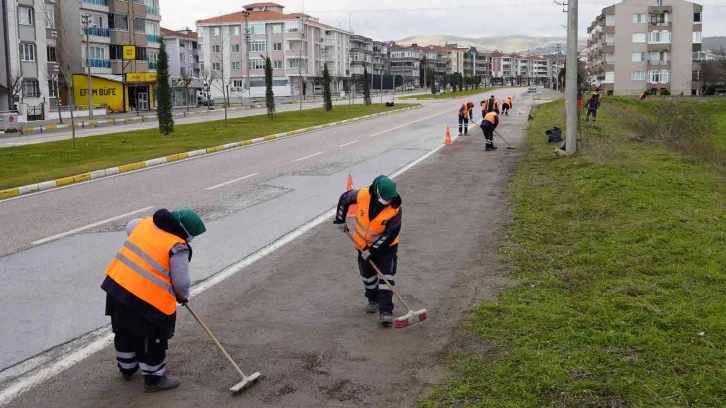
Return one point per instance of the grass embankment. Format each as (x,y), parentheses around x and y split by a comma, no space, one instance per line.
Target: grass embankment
(24,165)
(619,255)
(448,95)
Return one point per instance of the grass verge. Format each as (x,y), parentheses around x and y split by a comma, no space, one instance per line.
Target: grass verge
(448,95)
(30,164)
(619,256)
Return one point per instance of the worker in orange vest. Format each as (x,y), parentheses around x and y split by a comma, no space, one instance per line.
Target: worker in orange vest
(489,105)
(143,284)
(506,106)
(378,223)
(465,113)
(488,125)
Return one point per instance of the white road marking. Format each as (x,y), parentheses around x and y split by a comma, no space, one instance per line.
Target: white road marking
(231,181)
(410,123)
(349,143)
(307,157)
(95,224)
(103,338)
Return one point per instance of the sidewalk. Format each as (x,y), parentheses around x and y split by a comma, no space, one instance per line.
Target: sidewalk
(297,315)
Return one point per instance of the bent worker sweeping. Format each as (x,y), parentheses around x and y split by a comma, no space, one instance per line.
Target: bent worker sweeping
(489,105)
(143,284)
(378,223)
(506,106)
(465,114)
(488,125)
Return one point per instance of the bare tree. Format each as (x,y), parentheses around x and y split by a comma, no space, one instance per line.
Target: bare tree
(16,84)
(206,76)
(220,78)
(186,80)
(53,79)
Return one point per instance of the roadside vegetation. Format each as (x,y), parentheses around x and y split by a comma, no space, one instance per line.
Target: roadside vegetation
(619,257)
(35,163)
(448,95)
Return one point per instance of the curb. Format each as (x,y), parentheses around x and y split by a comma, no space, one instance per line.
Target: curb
(93,175)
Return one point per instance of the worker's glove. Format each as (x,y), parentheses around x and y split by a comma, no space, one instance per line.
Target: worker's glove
(365,254)
(343,227)
(182,301)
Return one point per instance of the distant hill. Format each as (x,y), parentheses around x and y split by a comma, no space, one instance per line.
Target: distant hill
(713,43)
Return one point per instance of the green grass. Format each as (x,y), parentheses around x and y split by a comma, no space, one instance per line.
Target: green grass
(620,301)
(448,95)
(48,161)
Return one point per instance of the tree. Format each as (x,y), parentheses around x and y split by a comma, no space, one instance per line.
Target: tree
(422,72)
(16,84)
(220,78)
(206,76)
(53,79)
(327,97)
(432,82)
(581,75)
(186,80)
(269,95)
(163,93)
(366,86)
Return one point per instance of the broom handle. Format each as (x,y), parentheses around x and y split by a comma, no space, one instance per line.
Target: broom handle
(380,275)
(215,340)
(505,140)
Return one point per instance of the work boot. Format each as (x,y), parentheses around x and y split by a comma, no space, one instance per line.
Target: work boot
(494,147)
(128,376)
(488,149)
(164,383)
(386,319)
(460,133)
(466,133)
(371,307)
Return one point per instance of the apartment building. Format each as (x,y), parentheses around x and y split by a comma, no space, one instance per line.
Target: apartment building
(381,64)
(299,45)
(183,51)
(6,97)
(361,54)
(646,45)
(405,61)
(437,60)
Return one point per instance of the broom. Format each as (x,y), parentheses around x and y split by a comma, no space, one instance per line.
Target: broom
(411,316)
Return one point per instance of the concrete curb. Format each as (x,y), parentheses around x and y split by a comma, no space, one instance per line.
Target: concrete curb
(47,185)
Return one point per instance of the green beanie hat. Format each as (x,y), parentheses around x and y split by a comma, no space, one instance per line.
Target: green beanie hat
(190,220)
(386,187)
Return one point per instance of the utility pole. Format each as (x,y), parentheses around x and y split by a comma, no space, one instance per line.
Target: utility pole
(247,55)
(571,80)
(87,25)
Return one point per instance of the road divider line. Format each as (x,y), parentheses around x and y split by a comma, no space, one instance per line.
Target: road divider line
(231,181)
(349,143)
(307,157)
(89,226)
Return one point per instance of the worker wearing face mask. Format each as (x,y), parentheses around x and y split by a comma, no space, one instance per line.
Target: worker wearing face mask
(143,284)
(378,223)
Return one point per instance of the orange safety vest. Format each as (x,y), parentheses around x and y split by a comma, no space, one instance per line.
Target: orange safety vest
(142,266)
(465,107)
(367,231)
(508,101)
(485,107)
(491,117)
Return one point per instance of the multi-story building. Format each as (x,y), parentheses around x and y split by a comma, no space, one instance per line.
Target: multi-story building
(646,45)
(298,45)
(184,69)
(405,61)
(483,67)
(6,96)
(456,55)
(380,58)
(361,55)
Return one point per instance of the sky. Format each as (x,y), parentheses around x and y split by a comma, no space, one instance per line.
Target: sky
(388,20)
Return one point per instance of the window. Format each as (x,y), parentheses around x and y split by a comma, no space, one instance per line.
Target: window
(277,46)
(49,18)
(258,28)
(293,27)
(609,77)
(638,37)
(118,22)
(258,46)
(697,37)
(139,25)
(610,19)
(293,63)
(116,52)
(658,2)
(658,19)
(609,57)
(235,30)
(277,64)
(26,16)
(609,38)
(31,88)
(697,18)
(215,31)
(53,88)
(235,48)
(215,48)
(659,37)
(27,52)
(152,56)
(183,57)
(277,29)
(216,66)
(659,76)
(191,59)
(257,63)
(141,54)
(637,76)
(98,53)
(639,19)
(51,54)
(152,28)
(638,57)
(238,83)
(97,20)
(191,45)
(236,66)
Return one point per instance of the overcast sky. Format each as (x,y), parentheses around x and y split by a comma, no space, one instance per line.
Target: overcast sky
(463,18)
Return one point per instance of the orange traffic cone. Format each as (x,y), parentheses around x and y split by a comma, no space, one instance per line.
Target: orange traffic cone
(353,208)
(447,141)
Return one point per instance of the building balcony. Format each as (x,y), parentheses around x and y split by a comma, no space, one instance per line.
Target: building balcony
(659,64)
(660,9)
(153,38)
(154,11)
(97,63)
(97,32)
(96,2)
(659,47)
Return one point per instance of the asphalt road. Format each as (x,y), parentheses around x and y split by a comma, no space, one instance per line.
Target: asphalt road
(57,243)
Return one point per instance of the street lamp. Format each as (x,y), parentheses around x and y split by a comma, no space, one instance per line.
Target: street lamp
(87,25)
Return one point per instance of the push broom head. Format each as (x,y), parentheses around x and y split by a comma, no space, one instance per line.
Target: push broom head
(410,318)
(247,382)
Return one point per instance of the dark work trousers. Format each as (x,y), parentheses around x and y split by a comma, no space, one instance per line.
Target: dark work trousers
(505,109)
(464,122)
(592,112)
(376,290)
(134,352)
(488,135)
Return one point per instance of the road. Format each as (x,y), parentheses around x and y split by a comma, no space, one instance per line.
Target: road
(251,198)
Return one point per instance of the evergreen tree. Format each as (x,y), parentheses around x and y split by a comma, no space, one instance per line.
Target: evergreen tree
(431,82)
(269,95)
(366,87)
(163,93)
(327,97)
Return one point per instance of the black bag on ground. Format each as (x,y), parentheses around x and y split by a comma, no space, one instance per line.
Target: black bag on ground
(555,135)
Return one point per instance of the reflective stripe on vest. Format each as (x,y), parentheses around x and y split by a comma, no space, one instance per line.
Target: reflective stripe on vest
(491,117)
(142,266)
(368,231)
